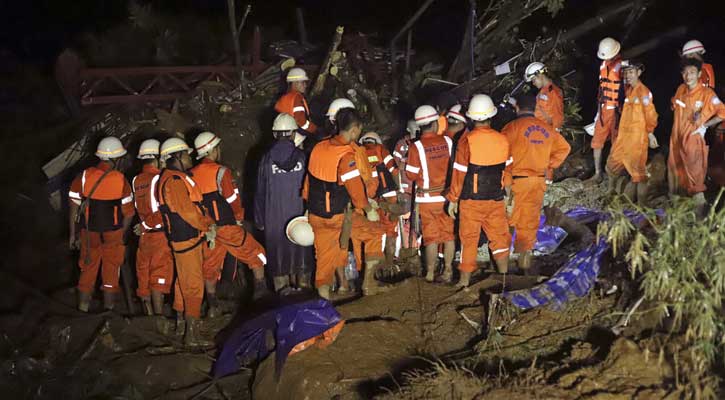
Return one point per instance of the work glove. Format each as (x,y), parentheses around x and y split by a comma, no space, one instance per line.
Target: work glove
(453,209)
(700,131)
(73,243)
(211,236)
(548,182)
(137,229)
(653,141)
(373,215)
(373,204)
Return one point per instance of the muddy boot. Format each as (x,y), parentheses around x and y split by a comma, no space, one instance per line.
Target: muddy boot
(630,191)
(157,302)
(502,265)
(643,194)
(180,326)
(525,263)
(109,300)
(192,336)
(147,307)
(370,285)
(84,301)
(324,291)
(260,289)
(162,325)
(430,274)
(447,274)
(699,199)
(303,280)
(213,309)
(280,282)
(464,280)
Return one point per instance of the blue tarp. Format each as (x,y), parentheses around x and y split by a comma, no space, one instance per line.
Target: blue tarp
(291,324)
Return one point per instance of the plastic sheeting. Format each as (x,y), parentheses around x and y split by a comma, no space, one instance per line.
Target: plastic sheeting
(548,238)
(290,324)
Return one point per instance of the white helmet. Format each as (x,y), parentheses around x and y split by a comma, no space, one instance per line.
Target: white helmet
(109,148)
(149,149)
(171,146)
(412,127)
(284,123)
(370,136)
(297,75)
(424,115)
(481,108)
(534,69)
(299,231)
(337,105)
(204,143)
(693,47)
(608,48)
(455,113)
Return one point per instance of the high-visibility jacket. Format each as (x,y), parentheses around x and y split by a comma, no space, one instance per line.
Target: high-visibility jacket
(220,194)
(610,83)
(333,179)
(639,116)
(707,77)
(111,201)
(550,106)
(481,156)
(428,159)
(383,168)
(178,198)
(294,104)
(400,154)
(142,198)
(536,148)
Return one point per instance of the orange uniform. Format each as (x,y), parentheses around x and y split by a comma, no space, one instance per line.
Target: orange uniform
(610,82)
(707,77)
(477,180)
(223,203)
(294,104)
(101,236)
(427,165)
(639,119)
(550,106)
(178,199)
(154,263)
(687,162)
(537,149)
(442,124)
(333,180)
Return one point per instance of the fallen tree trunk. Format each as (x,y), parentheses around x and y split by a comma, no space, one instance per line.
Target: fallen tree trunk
(325,67)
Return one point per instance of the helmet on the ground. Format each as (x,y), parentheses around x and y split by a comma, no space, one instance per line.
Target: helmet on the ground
(149,149)
(534,69)
(693,47)
(284,123)
(109,148)
(370,137)
(171,146)
(299,231)
(425,114)
(204,143)
(481,108)
(608,48)
(297,75)
(337,105)
(455,113)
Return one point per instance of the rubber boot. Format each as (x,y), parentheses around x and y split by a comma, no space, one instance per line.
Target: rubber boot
(324,291)
(180,325)
(643,194)
(630,191)
(464,280)
(109,300)
(192,336)
(303,280)
(162,325)
(213,309)
(699,199)
(611,184)
(370,285)
(280,282)
(147,307)
(260,289)
(447,274)
(430,274)
(502,265)
(157,302)
(84,301)
(526,259)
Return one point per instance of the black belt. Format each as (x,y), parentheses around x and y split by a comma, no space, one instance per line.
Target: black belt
(528,176)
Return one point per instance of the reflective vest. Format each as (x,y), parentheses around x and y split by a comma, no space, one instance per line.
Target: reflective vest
(385,181)
(208,176)
(141,186)
(103,212)
(175,227)
(286,104)
(326,196)
(610,83)
(488,154)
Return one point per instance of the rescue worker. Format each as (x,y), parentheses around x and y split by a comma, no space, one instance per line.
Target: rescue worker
(427,166)
(608,101)
(294,103)
(178,198)
(277,200)
(537,149)
(477,182)
(330,128)
(550,100)
(456,123)
(224,205)
(696,108)
(154,263)
(636,134)
(101,204)
(334,179)
(695,49)
(383,189)
(400,154)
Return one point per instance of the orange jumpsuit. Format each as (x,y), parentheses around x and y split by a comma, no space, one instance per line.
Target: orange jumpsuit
(608,102)
(550,106)
(101,236)
(333,180)
(687,161)
(154,263)
(639,118)
(223,203)
(428,160)
(537,149)
(294,104)
(477,180)
(178,199)
(707,77)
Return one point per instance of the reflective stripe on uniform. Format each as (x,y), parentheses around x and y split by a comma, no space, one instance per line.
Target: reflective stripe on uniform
(494,252)
(389,194)
(510,161)
(299,108)
(395,153)
(412,169)
(191,181)
(680,103)
(262,258)
(231,198)
(349,175)
(83,181)
(154,203)
(127,199)
(375,174)
(74,195)
(423,164)
(388,159)
(306,125)
(449,142)
(460,167)
(431,199)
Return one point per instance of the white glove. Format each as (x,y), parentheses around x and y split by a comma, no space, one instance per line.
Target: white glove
(211,235)
(373,204)
(452,209)
(373,215)
(653,141)
(548,181)
(137,229)
(700,131)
